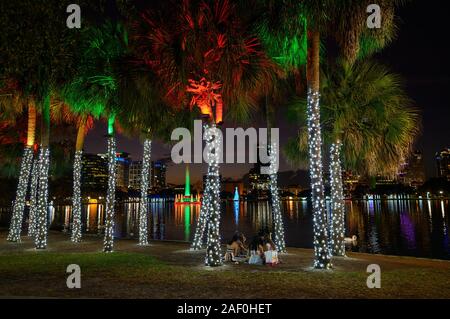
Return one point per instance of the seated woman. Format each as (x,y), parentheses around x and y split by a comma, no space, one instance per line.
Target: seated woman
(256,252)
(236,250)
(270,252)
(232,246)
(242,250)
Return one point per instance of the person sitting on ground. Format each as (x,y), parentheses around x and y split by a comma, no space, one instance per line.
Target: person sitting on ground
(242,249)
(236,250)
(256,251)
(270,252)
(232,247)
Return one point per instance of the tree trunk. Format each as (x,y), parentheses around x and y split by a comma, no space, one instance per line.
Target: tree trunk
(320,226)
(337,225)
(31,131)
(203,217)
(202,221)
(76,198)
(277,218)
(33,197)
(108,243)
(213,250)
(44,163)
(143,208)
(15,228)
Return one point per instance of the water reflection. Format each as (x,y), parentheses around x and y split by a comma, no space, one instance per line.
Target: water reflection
(236,212)
(401,227)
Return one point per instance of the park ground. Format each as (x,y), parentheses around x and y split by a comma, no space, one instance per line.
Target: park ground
(170,270)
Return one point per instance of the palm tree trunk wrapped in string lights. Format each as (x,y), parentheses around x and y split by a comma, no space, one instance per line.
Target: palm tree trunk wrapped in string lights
(33,197)
(200,230)
(24,176)
(337,222)
(276,204)
(108,242)
(213,137)
(77,166)
(320,220)
(143,208)
(41,217)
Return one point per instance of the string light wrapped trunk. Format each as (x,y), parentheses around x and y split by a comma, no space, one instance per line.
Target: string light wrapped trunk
(320,224)
(200,230)
(15,227)
(41,217)
(108,242)
(33,197)
(279,238)
(213,139)
(77,166)
(76,199)
(337,223)
(143,208)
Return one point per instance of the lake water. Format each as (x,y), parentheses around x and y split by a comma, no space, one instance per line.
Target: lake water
(394,227)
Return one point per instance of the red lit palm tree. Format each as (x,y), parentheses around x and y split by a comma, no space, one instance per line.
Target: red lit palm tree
(205,55)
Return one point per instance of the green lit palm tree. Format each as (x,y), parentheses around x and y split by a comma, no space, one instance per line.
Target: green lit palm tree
(297,30)
(105,47)
(85,104)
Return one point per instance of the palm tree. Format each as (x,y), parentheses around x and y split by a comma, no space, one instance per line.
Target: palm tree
(40,62)
(106,45)
(86,104)
(146,115)
(368,123)
(205,58)
(299,24)
(12,103)
(355,41)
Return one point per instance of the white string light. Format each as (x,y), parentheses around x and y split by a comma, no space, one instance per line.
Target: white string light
(200,230)
(337,224)
(199,236)
(76,200)
(213,250)
(33,197)
(108,242)
(277,218)
(320,225)
(143,208)
(42,199)
(15,227)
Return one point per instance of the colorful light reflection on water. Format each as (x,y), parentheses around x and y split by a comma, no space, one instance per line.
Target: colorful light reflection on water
(395,227)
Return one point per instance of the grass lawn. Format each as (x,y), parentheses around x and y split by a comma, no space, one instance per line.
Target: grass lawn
(170,270)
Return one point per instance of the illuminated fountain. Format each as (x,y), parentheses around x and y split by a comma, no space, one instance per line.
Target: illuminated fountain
(188,198)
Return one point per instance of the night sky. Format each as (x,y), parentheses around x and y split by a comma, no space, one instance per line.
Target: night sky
(420,54)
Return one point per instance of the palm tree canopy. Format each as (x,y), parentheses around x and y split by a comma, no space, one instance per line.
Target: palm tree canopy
(197,40)
(144,112)
(348,27)
(365,106)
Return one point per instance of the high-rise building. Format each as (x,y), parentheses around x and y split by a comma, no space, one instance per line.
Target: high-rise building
(414,170)
(158,175)
(135,174)
(123,162)
(94,172)
(443,163)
